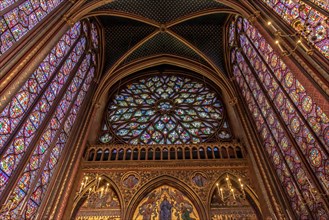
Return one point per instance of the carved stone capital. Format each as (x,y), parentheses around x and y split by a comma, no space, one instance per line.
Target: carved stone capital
(97,105)
(68,20)
(252,18)
(233,101)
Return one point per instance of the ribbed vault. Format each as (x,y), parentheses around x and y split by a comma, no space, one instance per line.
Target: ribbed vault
(142,29)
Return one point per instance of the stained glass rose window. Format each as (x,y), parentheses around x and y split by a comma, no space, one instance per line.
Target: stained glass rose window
(165,109)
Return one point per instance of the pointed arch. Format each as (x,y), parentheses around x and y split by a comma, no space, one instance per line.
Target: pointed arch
(83,195)
(250,195)
(169,181)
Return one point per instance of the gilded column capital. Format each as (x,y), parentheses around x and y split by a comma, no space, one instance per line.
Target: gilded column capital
(97,105)
(68,20)
(232,79)
(253,17)
(233,101)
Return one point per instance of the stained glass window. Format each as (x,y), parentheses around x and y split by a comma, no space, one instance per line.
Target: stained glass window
(16,22)
(64,78)
(166,109)
(322,3)
(292,11)
(280,105)
(23,100)
(94,35)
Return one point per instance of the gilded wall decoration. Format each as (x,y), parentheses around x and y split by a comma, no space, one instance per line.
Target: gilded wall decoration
(166,203)
(100,204)
(199,179)
(130,180)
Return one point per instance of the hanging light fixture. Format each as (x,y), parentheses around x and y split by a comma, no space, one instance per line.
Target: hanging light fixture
(97,189)
(227,191)
(305,35)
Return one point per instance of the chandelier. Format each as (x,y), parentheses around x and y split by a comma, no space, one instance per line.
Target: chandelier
(98,190)
(305,34)
(226,191)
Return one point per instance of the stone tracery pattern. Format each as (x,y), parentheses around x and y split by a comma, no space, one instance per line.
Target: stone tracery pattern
(166,109)
(264,78)
(16,22)
(51,97)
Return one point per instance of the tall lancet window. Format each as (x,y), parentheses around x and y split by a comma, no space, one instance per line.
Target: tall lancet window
(36,124)
(18,17)
(293,128)
(308,15)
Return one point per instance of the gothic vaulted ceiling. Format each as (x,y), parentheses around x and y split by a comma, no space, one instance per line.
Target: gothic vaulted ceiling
(189,29)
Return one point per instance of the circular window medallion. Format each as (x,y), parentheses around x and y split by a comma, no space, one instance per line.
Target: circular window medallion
(290,189)
(130,180)
(295,125)
(315,157)
(307,104)
(199,179)
(276,158)
(289,79)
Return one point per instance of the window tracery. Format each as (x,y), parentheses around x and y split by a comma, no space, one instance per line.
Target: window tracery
(292,126)
(166,109)
(62,81)
(16,21)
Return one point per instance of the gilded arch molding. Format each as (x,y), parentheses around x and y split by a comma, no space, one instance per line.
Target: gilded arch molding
(77,202)
(170,181)
(249,191)
(223,83)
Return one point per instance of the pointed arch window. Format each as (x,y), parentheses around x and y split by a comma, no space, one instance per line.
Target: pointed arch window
(293,11)
(18,17)
(36,124)
(293,127)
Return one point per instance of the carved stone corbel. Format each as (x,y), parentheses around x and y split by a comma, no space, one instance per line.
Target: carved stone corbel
(68,20)
(233,101)
(253,17)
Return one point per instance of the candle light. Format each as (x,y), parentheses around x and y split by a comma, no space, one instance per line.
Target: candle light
(228,182)
(232,190)
(98,181)
(278,43)
(242,189)
(81,187)
(221,192)
(102,190)
(86,180)
(271,26)
(107,186)
(309,51)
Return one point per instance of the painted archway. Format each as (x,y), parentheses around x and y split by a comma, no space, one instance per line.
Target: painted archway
(165,202)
